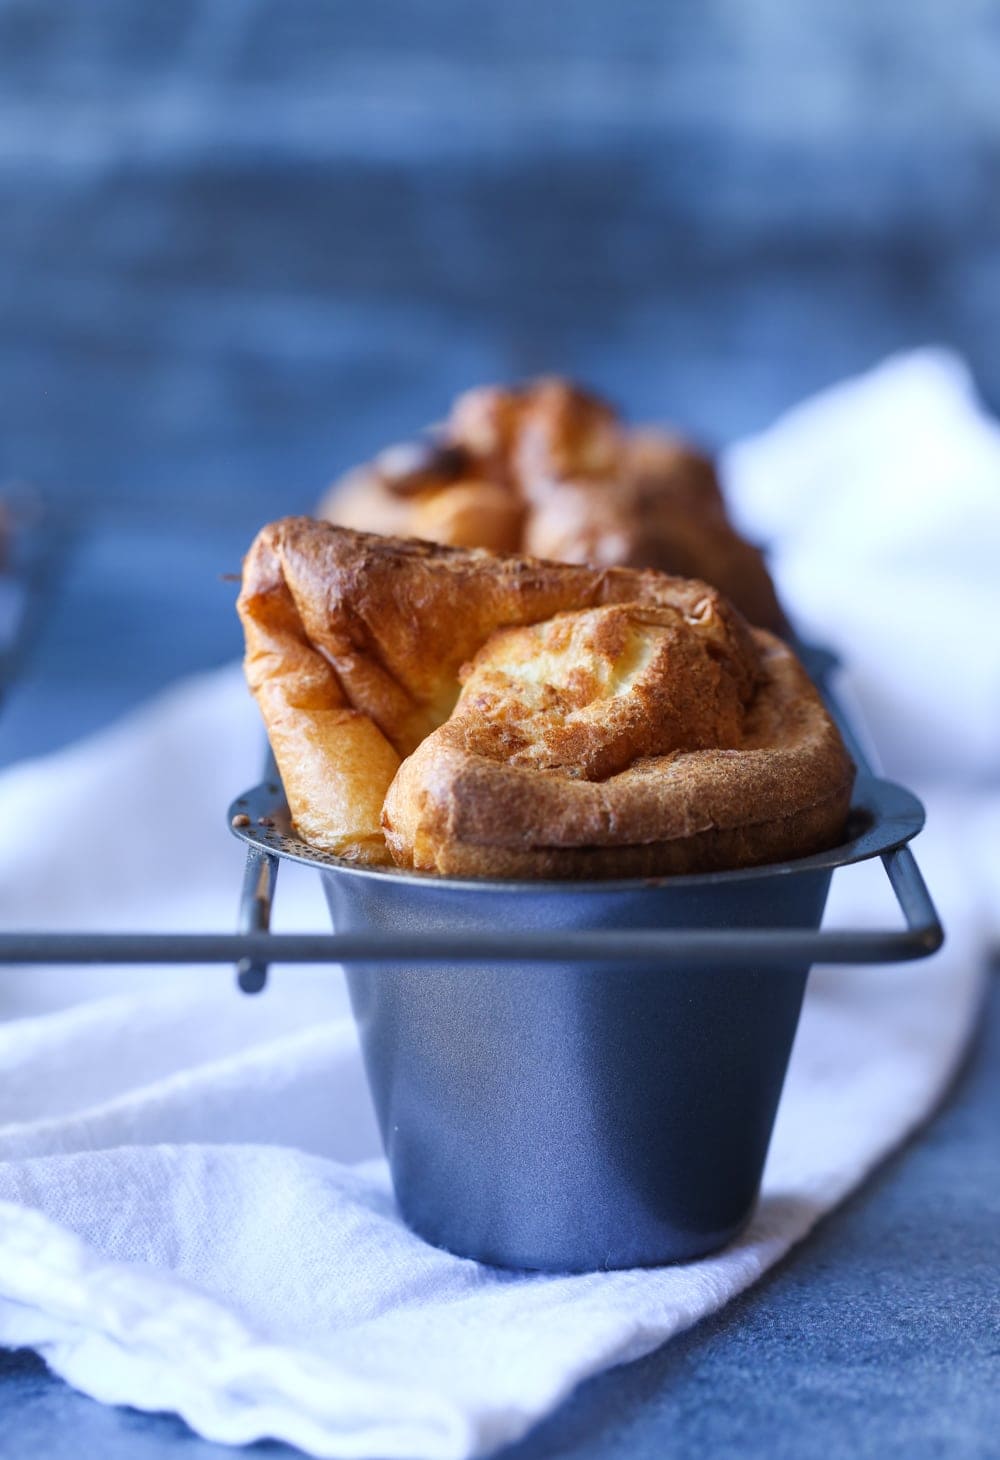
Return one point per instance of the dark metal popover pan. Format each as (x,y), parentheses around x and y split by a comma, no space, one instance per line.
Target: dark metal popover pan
(567,1075)
(581,1075)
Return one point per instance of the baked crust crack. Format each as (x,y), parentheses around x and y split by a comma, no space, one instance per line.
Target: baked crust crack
(460,712)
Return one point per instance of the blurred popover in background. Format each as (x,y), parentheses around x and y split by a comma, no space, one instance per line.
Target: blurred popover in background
(549,469)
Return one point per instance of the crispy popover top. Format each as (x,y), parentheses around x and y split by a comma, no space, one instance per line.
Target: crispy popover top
(459,712)
(549,469)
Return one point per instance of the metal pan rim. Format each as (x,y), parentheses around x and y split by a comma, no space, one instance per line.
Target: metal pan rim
(889,816)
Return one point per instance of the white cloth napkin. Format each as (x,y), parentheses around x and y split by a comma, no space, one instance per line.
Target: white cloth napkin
(194,1214)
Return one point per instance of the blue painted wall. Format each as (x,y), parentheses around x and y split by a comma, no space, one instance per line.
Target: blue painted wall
(245,242)
(242,241)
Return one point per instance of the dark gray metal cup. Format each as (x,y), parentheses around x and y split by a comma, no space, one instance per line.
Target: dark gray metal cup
(591,1112)
(576,1116)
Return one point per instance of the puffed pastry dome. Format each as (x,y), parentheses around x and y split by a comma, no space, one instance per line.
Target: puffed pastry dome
(463,713)
(549,469)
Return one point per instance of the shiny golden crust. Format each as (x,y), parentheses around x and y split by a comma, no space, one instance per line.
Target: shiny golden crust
(334,761)
(611,721)
(783,791)
(550,470)
(587,693)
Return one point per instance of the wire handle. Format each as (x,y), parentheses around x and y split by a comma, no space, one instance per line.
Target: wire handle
(725,947)
(253,948)
(256,900)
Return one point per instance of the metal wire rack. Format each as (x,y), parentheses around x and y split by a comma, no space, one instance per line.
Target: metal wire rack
(253,947)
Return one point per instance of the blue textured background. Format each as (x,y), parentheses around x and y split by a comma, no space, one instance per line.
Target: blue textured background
(245,242)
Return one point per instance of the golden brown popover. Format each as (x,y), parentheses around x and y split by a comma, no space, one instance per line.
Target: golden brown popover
(550,470)
(464,713)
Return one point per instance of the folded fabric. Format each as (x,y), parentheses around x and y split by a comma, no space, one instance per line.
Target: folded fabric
(194,1212)
(880,504)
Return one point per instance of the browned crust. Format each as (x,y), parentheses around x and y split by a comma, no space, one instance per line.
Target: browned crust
(334,761)
(784,792)
(354,647)
(548,469)
(665,511)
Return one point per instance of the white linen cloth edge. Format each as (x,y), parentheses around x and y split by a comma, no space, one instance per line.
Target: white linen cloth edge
(159,1346)
(193,1212)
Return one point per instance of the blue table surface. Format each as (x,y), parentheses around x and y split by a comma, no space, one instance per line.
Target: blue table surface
(879,1336)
